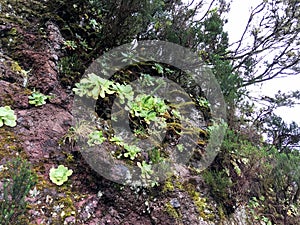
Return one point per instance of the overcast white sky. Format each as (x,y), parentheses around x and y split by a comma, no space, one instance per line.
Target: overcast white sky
(237,20)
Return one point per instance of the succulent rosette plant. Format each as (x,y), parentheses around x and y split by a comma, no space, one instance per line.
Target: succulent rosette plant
(60,174)
(7,117)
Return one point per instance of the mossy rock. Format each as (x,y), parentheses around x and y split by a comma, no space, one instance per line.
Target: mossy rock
(10,145)
(172,211)
(62,200)
(201,203)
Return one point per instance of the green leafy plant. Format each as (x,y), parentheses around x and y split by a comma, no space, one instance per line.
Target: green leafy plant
(146,169)
(140,131)
(117,140)
(71,45)
(94,86)
(155,156)
(129,57)
(38,98)
(96,138)
(146,172)
(93,23)
(147,80)
(124,92)
(180,147)
(132,151)
(60,175)
(20,179)
(158,68)
(217,127)
(80,129)
(203,102)
(7,117)
(148,107)
(219,183)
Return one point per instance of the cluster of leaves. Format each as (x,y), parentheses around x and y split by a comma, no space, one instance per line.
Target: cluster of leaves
(95,86)
(7,117)
(203,102)
(132,151)
(258,203)
(96,138)
(60,174)
(38,99)
(143,110)
(15,189)
(150,108)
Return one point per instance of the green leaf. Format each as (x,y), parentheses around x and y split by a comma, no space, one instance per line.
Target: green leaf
(106,87)
(151,116)
(147,80)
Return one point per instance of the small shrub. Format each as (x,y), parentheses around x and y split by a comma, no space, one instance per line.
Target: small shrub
(18,184)
(219,183)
